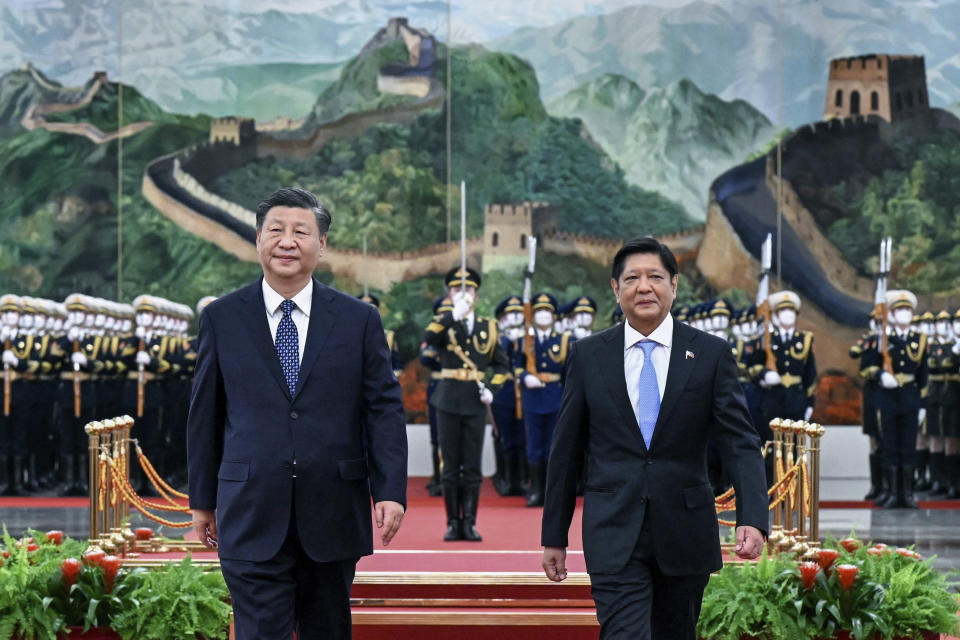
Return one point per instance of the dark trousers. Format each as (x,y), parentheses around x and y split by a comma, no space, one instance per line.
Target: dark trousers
(432,415)
(461,447)
(781,402)
(290,592)
(539,434)
(510,428)
(898,423)
(641,603)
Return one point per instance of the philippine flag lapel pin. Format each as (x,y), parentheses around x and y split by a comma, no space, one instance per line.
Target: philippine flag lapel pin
(689,355)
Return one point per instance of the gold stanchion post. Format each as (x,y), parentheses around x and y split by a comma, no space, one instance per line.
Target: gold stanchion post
(815,431)
(787,431)
(92,430)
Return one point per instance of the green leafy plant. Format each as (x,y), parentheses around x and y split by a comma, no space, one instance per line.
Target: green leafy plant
(180,601)
(25,608)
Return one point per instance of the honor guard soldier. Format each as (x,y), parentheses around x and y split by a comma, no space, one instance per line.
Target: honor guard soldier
(900,397)
(584,314)
(616,316)
(870,416)
(789,391)
(542,391)
(951,426)
(510,432)
(467,346)
(682,314)
(942,400)
(925,325)
(12,450)
(431,361)
(390,335)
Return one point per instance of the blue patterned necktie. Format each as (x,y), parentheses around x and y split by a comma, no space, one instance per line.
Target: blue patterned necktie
(288,345)
(648,404)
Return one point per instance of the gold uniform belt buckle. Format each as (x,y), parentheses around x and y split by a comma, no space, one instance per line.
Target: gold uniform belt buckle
(789,380)
(904,378)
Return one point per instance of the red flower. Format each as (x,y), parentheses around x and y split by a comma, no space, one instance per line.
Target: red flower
(826,558)
(94,556)
(875,552)
(847,573)
(33,546)
(808,574)
(6,554)
(143,533)
(71,569)
(850,544)
(56,537)
(880,546)
(111,565)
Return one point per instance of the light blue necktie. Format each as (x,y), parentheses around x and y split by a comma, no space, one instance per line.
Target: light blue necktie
(288,345)
(648,404)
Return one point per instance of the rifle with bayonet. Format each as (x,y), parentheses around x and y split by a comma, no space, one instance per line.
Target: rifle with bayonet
(880,301)
(529,333)
(763,301)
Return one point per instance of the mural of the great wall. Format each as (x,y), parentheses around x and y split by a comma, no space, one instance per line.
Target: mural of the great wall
(572,130)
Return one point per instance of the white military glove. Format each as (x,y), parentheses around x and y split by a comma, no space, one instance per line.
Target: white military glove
(486,396)
(532,382)
(78,359)
(143,358)
(10,359)
(887,381)
(462,303)
(807,414)
(771,379)
(956,348)
(921,416)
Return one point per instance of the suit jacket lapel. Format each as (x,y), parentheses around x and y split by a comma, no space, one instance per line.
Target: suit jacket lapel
(322,315)
(259,330)
(611,368)
(678,372)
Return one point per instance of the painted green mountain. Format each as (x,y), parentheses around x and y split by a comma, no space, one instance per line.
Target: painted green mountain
(390,181)
(59,229)
(674,140)
(21,88)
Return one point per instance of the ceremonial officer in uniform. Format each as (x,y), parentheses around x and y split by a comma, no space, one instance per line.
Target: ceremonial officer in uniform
(584,313)
(900,397)
(941,400)
(870,416)
(510,433)
(789,391)
(430,359)
(467,346)
(10,440)
(542,391)
(925,325)
(951,426)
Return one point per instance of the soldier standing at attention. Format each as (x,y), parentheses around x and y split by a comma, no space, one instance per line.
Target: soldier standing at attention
(787,392)
(467,346)
(900,397)
(941,400)
(542,391)
(430,360)
(510,435)
(870,416)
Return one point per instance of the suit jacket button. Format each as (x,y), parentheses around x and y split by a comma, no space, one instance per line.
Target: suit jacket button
(294,415)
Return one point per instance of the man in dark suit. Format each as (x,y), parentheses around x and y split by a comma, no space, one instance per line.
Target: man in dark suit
(650,533)
(296,420)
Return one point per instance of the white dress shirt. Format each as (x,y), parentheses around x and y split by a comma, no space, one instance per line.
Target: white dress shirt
(300,314)
(633,357)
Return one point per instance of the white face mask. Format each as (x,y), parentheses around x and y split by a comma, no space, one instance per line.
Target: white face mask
(956,328)
(11,318)
(26,321)
(514,333)
(943,328)
(502,323)
(737,331)
(543,318)
(584,319)
(903,317)
(514,318)
(787,318)
(721,322)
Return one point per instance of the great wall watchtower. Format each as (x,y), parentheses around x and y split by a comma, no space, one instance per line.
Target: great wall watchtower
(239,131)
(506,229)
(889,86)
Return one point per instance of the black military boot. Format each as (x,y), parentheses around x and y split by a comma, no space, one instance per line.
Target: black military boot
(76,477)
(905,499)
(952,463)
(892,481)
(435,487)
(515,474)
(500,483)
(451,501)
(471,499)
(537,480)
(14,476)
(922,484)
(31,485)
(876,478)
(939,482)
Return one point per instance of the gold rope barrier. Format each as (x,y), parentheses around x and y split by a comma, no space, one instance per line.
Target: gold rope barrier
(795,493)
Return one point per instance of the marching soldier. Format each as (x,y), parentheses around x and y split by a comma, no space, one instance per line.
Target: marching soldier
(542,391)
(429,359)
(510,438)
(870,411)
(787,392)
(901,396)
(467,346)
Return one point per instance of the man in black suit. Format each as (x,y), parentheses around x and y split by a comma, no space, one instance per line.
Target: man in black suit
(650,533)
(296,420)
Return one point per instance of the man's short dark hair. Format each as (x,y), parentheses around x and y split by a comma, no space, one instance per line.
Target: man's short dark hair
(646,244)
(297,198)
